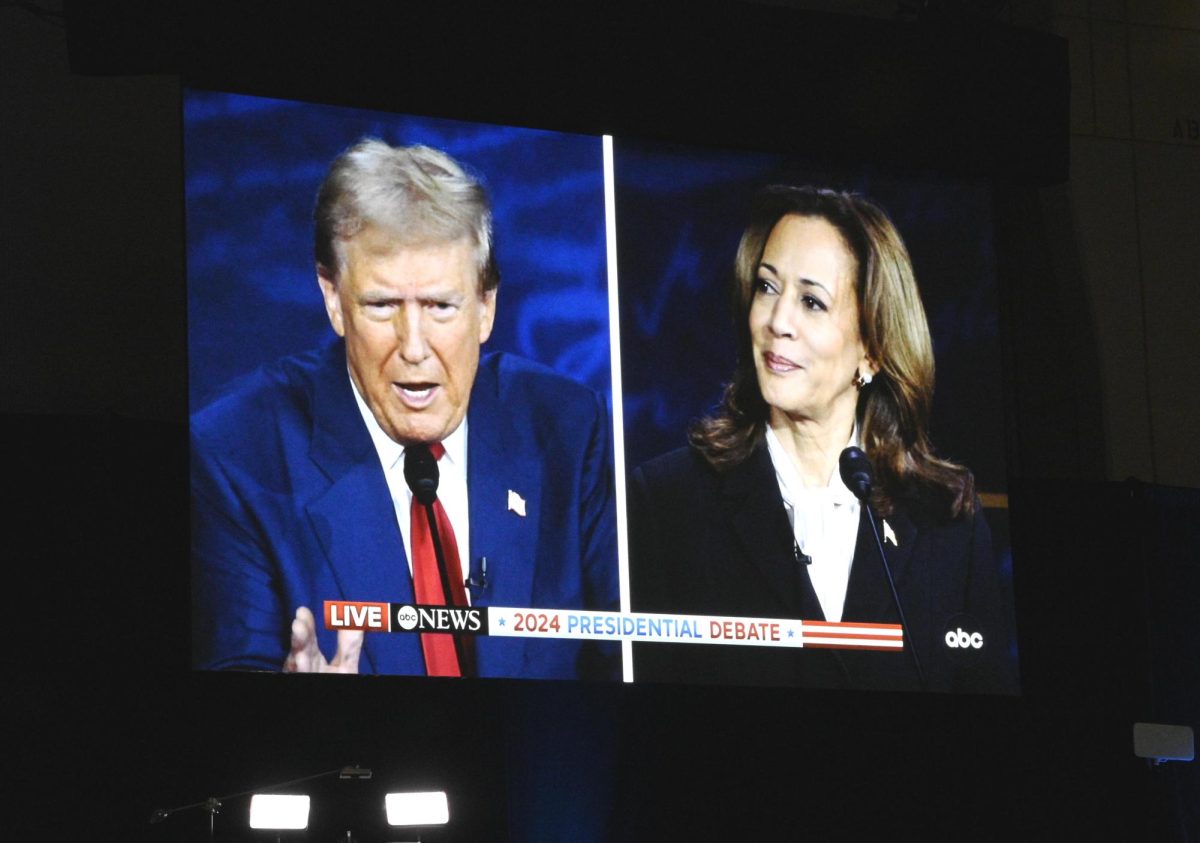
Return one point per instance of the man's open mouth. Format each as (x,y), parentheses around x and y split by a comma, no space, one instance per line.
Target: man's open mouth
(416,395)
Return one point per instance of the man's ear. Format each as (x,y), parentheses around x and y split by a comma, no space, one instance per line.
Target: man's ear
(488,315)
(333,303)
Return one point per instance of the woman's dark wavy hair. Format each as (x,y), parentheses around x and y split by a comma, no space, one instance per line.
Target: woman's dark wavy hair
(893,410)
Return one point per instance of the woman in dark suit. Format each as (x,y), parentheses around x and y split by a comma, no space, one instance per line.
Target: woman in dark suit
(752,519)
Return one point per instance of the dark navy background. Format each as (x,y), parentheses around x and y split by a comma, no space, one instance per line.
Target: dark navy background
(680,214)
(252,168)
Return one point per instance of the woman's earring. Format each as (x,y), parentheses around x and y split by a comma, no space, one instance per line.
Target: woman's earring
(861,380)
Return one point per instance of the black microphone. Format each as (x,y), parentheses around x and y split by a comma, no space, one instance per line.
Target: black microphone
(857,472)
(859,476)
(421,472)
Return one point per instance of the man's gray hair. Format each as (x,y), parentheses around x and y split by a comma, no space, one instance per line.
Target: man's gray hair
(416,194)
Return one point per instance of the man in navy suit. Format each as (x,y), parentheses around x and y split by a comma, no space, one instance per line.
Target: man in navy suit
(297,469)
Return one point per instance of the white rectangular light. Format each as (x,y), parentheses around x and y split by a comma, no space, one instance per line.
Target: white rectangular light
(275,810)
(428,808)
(1160,742)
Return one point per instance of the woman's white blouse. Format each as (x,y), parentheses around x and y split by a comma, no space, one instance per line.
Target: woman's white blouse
(825,524)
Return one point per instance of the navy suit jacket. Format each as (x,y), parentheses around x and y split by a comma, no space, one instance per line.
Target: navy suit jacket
(708,543)
(290,507)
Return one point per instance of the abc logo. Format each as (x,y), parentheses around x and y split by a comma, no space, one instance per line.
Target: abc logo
(406,617)
(957,639)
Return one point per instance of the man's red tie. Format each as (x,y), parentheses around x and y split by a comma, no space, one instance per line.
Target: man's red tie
(441,657)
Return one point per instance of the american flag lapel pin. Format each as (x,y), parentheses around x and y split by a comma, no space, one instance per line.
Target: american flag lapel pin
(889,535)
(516,503)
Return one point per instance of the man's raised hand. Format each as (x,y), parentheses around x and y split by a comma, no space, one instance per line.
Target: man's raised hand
(306,656)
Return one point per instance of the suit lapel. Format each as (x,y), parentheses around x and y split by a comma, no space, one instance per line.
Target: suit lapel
(868,597)
(503,478)
(761,526)
(354,519)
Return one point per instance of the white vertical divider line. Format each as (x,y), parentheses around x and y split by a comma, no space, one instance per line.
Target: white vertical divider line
(618,412)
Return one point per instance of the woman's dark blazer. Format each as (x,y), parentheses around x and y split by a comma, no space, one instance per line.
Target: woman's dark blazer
(709,543)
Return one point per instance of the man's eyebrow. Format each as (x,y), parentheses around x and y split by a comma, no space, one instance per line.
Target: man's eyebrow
(449,296)
(809,281)
(386,296)
(378,297)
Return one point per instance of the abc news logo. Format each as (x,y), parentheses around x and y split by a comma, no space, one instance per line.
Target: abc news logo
(472,620)
(963,638)
(960,639)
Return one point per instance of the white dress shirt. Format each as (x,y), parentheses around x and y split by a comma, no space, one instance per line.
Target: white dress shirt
(824,523)
(452,483)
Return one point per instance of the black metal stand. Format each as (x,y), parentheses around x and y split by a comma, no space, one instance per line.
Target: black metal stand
(213,803)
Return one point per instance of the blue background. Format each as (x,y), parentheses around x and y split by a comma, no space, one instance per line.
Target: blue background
(252,167)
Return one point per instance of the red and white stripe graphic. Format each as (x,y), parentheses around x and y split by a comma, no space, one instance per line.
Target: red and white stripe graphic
(852,636)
